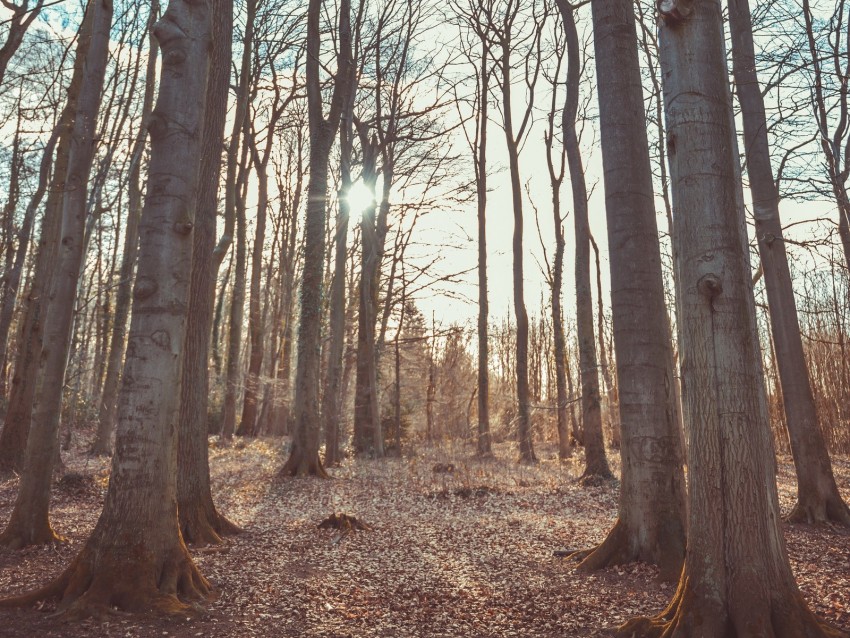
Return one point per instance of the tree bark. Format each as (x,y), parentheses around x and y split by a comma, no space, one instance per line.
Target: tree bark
(596,464)
(818,499)
(651,523)
(200,522)
(737,580)
(304,456)
(29,523)
(109,399)
(135,559)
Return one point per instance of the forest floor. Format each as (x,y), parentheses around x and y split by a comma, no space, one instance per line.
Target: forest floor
(461,554)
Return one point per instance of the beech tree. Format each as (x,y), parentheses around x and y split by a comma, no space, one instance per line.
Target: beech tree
(818,499)
(121,567)
(304,456)
(651,523)
(736,580)
(29,523)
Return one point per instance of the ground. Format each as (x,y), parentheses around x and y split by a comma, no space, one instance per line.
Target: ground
(466,553)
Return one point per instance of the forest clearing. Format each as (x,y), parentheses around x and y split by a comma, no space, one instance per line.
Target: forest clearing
(466,554)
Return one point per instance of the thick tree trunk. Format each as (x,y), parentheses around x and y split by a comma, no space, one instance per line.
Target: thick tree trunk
(596,464)
(109,400)
(737,580)
(818,499)
(135,559)
(651,523)
(29,522)
(200,522)
(304,456)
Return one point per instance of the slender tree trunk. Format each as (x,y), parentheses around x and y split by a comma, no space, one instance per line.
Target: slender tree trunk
(304,456)
(484,446)
(737,580)
(332,398)
(526,444)
(596,464)
(29,522)
(200,522)
(651,523)
(248,423)
(109,400)
(12,280)
(818,499)
(611,400)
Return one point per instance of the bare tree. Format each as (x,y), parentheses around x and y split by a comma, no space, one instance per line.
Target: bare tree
(304,456)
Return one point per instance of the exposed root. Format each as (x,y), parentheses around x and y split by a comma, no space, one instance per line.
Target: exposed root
(621,547)
(692,616)
(300,464)
(596,478)
(202,527)
(818,511)
(15,537)
(344,522)
(98,582)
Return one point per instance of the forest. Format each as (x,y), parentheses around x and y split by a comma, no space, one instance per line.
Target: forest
(462,318)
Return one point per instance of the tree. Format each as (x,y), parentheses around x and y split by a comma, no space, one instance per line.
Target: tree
(304,456)
(109,397)
(29,523)
(596,464)
(736,580)
(651,522)
(23,15)
(818,499)
(135,560)
(515,32)
(200,521)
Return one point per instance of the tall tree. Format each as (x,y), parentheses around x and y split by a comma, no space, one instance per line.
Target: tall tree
(818,499)
(304,456)
(596,463)
(651,522)
(518,32)
(109,399)
(736,580)
(135,559)
(29,522)
(200,521)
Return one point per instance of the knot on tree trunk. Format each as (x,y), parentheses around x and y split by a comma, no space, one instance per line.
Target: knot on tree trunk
(675,11)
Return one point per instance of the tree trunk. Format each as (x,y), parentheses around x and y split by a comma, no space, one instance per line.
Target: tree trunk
(332,398)
(248,422)
(109,400)
(304,456)
(596,464)
(651,523)
(200,522)
(737,580)
(526,444)
(29,522)
(485,447)
(135,559)
(818,499)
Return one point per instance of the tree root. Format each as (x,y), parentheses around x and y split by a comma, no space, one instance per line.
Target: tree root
(299,464)
(102,580)
(203,527)
(15,538)
(692,616)
(620,548)
(818,511)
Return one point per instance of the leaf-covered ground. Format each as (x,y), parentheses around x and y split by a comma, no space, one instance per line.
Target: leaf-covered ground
(466,553)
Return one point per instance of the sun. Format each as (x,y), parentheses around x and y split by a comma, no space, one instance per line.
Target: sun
(360,197)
